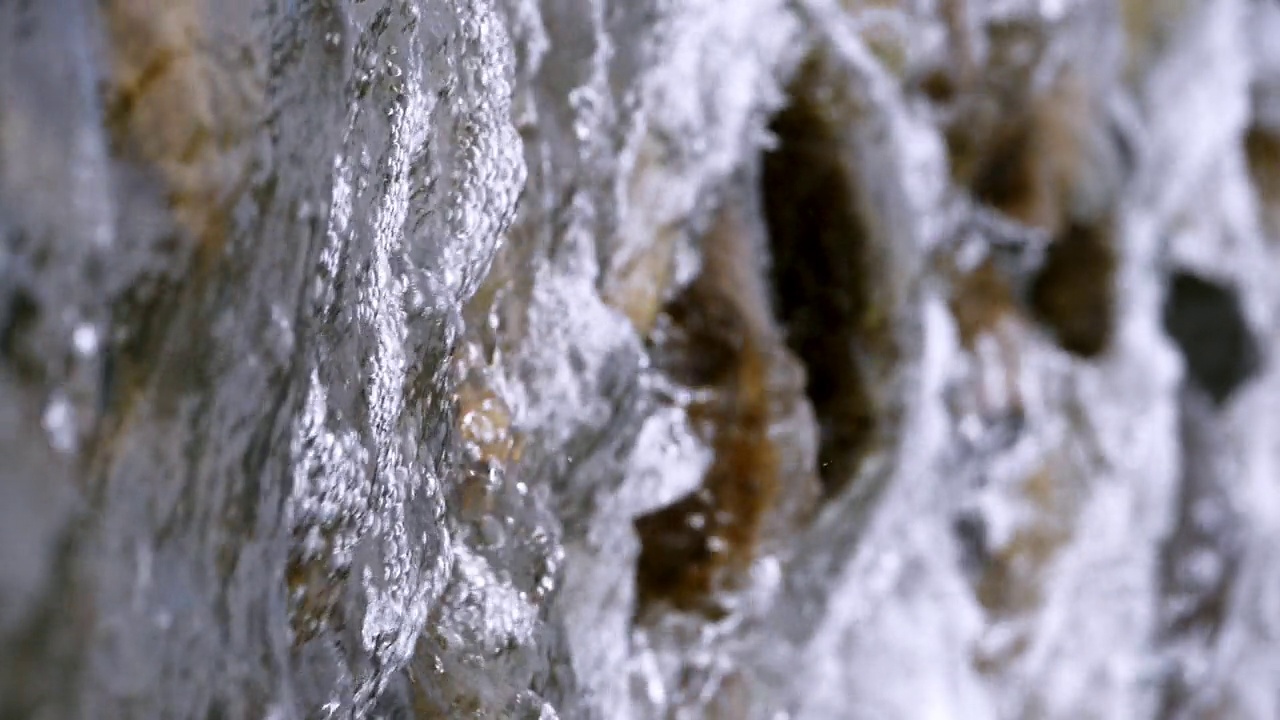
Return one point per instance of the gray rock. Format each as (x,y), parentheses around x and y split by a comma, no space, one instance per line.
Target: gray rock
(588,359)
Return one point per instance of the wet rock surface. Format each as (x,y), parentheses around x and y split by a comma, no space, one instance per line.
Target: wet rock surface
(593,359)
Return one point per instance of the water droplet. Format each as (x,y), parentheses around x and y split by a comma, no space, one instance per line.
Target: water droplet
(546,584)
(60,423)
(85,339)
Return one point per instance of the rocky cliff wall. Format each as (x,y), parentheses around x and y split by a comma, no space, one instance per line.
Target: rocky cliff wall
(645,359)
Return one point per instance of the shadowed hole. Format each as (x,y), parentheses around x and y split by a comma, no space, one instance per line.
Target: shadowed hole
(821,278)
(1204,318)
(1074,294)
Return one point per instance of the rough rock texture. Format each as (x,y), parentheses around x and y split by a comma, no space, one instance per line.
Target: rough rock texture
(639,359)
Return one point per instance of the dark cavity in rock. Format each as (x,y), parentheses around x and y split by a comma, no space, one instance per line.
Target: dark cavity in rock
(1205,319)
(1074,292)
(822,278)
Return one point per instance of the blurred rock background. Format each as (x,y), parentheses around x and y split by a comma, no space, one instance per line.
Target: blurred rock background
(639,359)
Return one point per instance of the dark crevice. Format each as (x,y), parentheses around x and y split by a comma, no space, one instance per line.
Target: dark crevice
(1262,151)
(1204,318)
(972,535)
(1073,294)
(1007,142)
(822,274)
(17,321)
(1008,178)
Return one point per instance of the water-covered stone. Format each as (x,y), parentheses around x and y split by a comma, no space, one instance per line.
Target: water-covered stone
(639,359)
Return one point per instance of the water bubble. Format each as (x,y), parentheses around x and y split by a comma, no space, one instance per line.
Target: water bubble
(85,339)
(60,423)
(546,584)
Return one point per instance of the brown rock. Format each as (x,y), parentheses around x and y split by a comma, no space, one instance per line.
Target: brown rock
(721,339)
(1074,292)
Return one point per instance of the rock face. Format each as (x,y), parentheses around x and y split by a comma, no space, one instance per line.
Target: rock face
(639,359)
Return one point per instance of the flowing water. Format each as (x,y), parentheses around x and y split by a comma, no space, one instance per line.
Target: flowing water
(639,359)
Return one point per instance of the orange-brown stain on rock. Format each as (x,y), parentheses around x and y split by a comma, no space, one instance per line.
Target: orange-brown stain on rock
(173,105)
(639,280)
(720,340)
(980,300)
(485,422)
(1262,150)
(636,289)
(315,589)
(688,545)
(1033,160)
(1012,580)
(488,437)
(1148,27)
(179,106)
(985,306)
(1074,293)
(1025,155)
